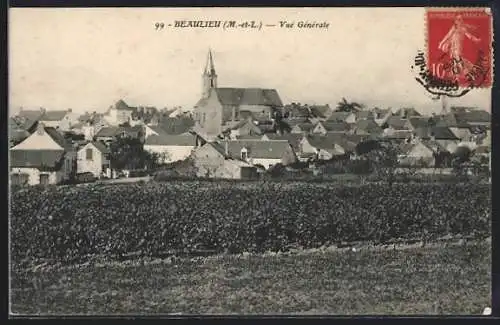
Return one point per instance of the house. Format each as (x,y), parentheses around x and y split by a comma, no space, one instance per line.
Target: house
(28,119)
(296,111)
(176,125)
(441,135)
(321,112)
(170,147)
(257,152)
(119,113)
(218,106)
(44,157)
(396,123)
(364,115)
(416,153)
(248,126)
(59,119)
(93,157)
(347,117)
(406,112)
(110,133)
(303,128)
(333,127)
(16,132)
(381,115)
(367,127)
(325,147)
(212,160)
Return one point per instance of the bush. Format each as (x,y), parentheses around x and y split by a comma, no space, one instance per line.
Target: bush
(67,224)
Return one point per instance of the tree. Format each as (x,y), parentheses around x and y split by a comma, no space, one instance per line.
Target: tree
(350,107)
(460,159)
(383,160)
(129,153)
(279,124)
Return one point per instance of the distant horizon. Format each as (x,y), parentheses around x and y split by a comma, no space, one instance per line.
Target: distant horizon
(86,59)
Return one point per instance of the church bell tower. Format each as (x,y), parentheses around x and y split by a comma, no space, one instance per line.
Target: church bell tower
(209,76)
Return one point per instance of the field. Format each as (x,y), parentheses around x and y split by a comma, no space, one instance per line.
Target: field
(270,248)
(437,279)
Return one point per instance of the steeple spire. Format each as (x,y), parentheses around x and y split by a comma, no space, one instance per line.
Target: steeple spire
(211,61)
(209,75)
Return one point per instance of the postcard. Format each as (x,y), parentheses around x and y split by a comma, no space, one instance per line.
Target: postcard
(173,162)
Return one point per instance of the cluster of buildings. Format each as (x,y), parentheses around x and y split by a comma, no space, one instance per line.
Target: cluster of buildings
(231,133)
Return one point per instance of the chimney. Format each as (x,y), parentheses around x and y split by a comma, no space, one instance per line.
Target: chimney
(40,129)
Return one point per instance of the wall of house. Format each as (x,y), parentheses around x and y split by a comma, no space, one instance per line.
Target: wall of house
(351,118)
(319,129)
(149,132)
(419,153)
(306,147)
(89,132)
(266,162)
(94,165)
(172,153)
(34,175)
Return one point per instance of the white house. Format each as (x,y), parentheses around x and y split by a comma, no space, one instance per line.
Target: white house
(170,147)
(93,157)
(119,113)
(258,152)
(44,157)
(61,119)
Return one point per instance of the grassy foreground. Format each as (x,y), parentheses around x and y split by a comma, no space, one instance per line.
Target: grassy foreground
(438,279)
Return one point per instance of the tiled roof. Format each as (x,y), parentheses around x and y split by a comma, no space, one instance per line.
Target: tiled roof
(248,96)
(408,111)
(112,131)
(292,138)
(248,137)
(419,122)
(328,141)
(58,137)
(439,133)
(176,125)
(364,115)
(171,140)
(305,126)
(321,111)
(336,126)
(33,115)
(474,116)
(369,126)
(53,115)
(295,121)
(399,134)
(272,149)
(101,146)
(338,116)
(121,105)
(45,159)
(396,122)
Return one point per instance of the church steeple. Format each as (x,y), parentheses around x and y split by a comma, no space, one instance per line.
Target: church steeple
(209,75)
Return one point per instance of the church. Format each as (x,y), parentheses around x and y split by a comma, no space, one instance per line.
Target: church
(220,108)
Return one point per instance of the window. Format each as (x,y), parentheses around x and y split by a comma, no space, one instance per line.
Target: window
(244,154)
(89,153)
(19,179)
(44,179)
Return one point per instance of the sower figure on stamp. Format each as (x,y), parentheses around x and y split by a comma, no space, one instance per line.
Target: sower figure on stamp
(451,44)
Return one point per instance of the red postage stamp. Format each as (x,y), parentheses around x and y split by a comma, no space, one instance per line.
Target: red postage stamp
(459,46)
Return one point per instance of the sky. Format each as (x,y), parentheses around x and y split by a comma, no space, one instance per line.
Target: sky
(88,58)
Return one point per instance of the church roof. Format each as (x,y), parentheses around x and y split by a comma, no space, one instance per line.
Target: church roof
(246,96)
